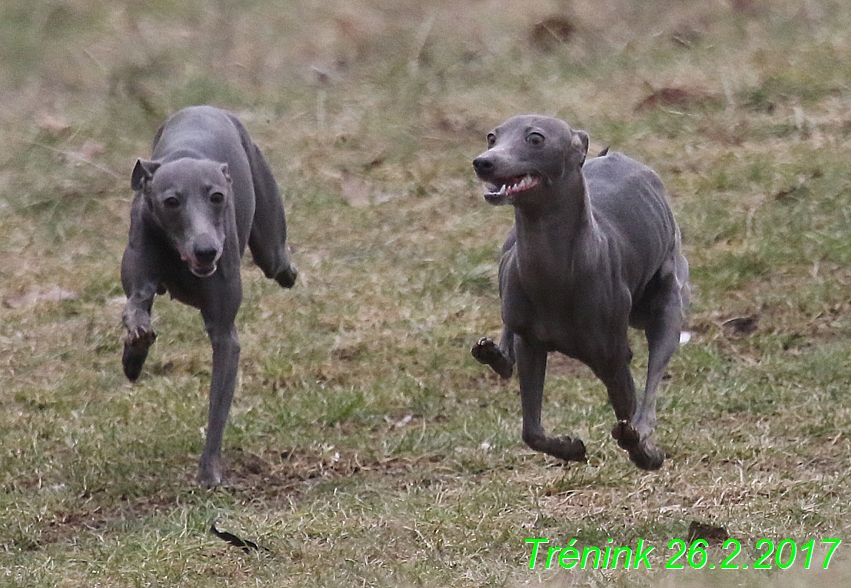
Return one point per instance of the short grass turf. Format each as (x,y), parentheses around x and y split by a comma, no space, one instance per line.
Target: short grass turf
(365,446)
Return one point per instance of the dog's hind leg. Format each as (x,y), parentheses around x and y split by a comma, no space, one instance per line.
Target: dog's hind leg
(615,374)
(635,423)
(641,451)
(268,237)
(663,337)
(531,370)
(500,357)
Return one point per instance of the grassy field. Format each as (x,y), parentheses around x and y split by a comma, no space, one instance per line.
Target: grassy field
(365,446)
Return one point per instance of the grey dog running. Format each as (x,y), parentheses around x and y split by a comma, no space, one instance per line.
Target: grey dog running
(206,192)
(594,250)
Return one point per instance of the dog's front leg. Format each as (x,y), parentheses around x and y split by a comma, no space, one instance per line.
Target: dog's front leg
(140,284)
(225,365)
(500,357)
(140,333)
(531,369)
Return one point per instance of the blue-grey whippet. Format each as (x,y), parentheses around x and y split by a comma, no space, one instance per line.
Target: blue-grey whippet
(594,249)
(205,193)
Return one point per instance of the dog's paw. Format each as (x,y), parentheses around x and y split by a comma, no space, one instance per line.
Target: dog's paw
(210,473)
(136,347)
(641,452)
(488,353)
(563,447)
(485,350)
(626,436)
(647,456)
(568,448)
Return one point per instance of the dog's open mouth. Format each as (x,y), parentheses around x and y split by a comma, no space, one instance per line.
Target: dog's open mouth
(203,271)
(198,268)
(510,186)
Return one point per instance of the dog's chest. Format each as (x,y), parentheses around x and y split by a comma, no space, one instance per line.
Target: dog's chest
(184,287)
(563,334)
(575,323)
(556,327)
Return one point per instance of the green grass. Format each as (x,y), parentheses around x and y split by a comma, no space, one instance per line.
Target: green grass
(365,446)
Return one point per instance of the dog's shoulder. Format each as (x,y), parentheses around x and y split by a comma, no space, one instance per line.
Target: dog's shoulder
(617,169)
(611,162)
(620,188)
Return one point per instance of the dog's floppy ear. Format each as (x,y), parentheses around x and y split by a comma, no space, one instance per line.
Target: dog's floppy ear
(142,173)
(578,148)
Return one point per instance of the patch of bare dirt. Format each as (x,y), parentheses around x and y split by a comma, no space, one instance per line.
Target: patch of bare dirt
(64,525)
(676,98)
(33,297)
(275,472)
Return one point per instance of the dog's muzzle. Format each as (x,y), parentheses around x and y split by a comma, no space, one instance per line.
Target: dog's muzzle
(203,256)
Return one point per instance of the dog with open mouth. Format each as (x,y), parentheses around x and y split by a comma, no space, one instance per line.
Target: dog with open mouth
(594,250)
(205,194)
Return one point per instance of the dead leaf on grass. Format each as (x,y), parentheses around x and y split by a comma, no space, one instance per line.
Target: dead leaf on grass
(245,544)
(87,151)
(799,189)
(403,421)
(686,37)
(673,97)
(356,191)
(709,533)
(551,33)
(33,297)
(740,326)
(748,7)
(53,125)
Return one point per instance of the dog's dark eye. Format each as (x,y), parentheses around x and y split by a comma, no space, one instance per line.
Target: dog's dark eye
(171,202)
(535,139)
(217,197)
(491,140)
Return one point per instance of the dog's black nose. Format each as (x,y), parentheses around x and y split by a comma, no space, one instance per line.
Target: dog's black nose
(483,165)
(205,254)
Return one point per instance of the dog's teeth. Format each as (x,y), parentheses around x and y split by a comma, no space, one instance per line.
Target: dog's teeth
(520,185)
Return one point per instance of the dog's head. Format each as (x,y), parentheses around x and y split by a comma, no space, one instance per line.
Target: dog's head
(526,154)
(189,200)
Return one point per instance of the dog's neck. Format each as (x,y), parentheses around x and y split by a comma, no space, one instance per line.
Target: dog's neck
(557,237)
